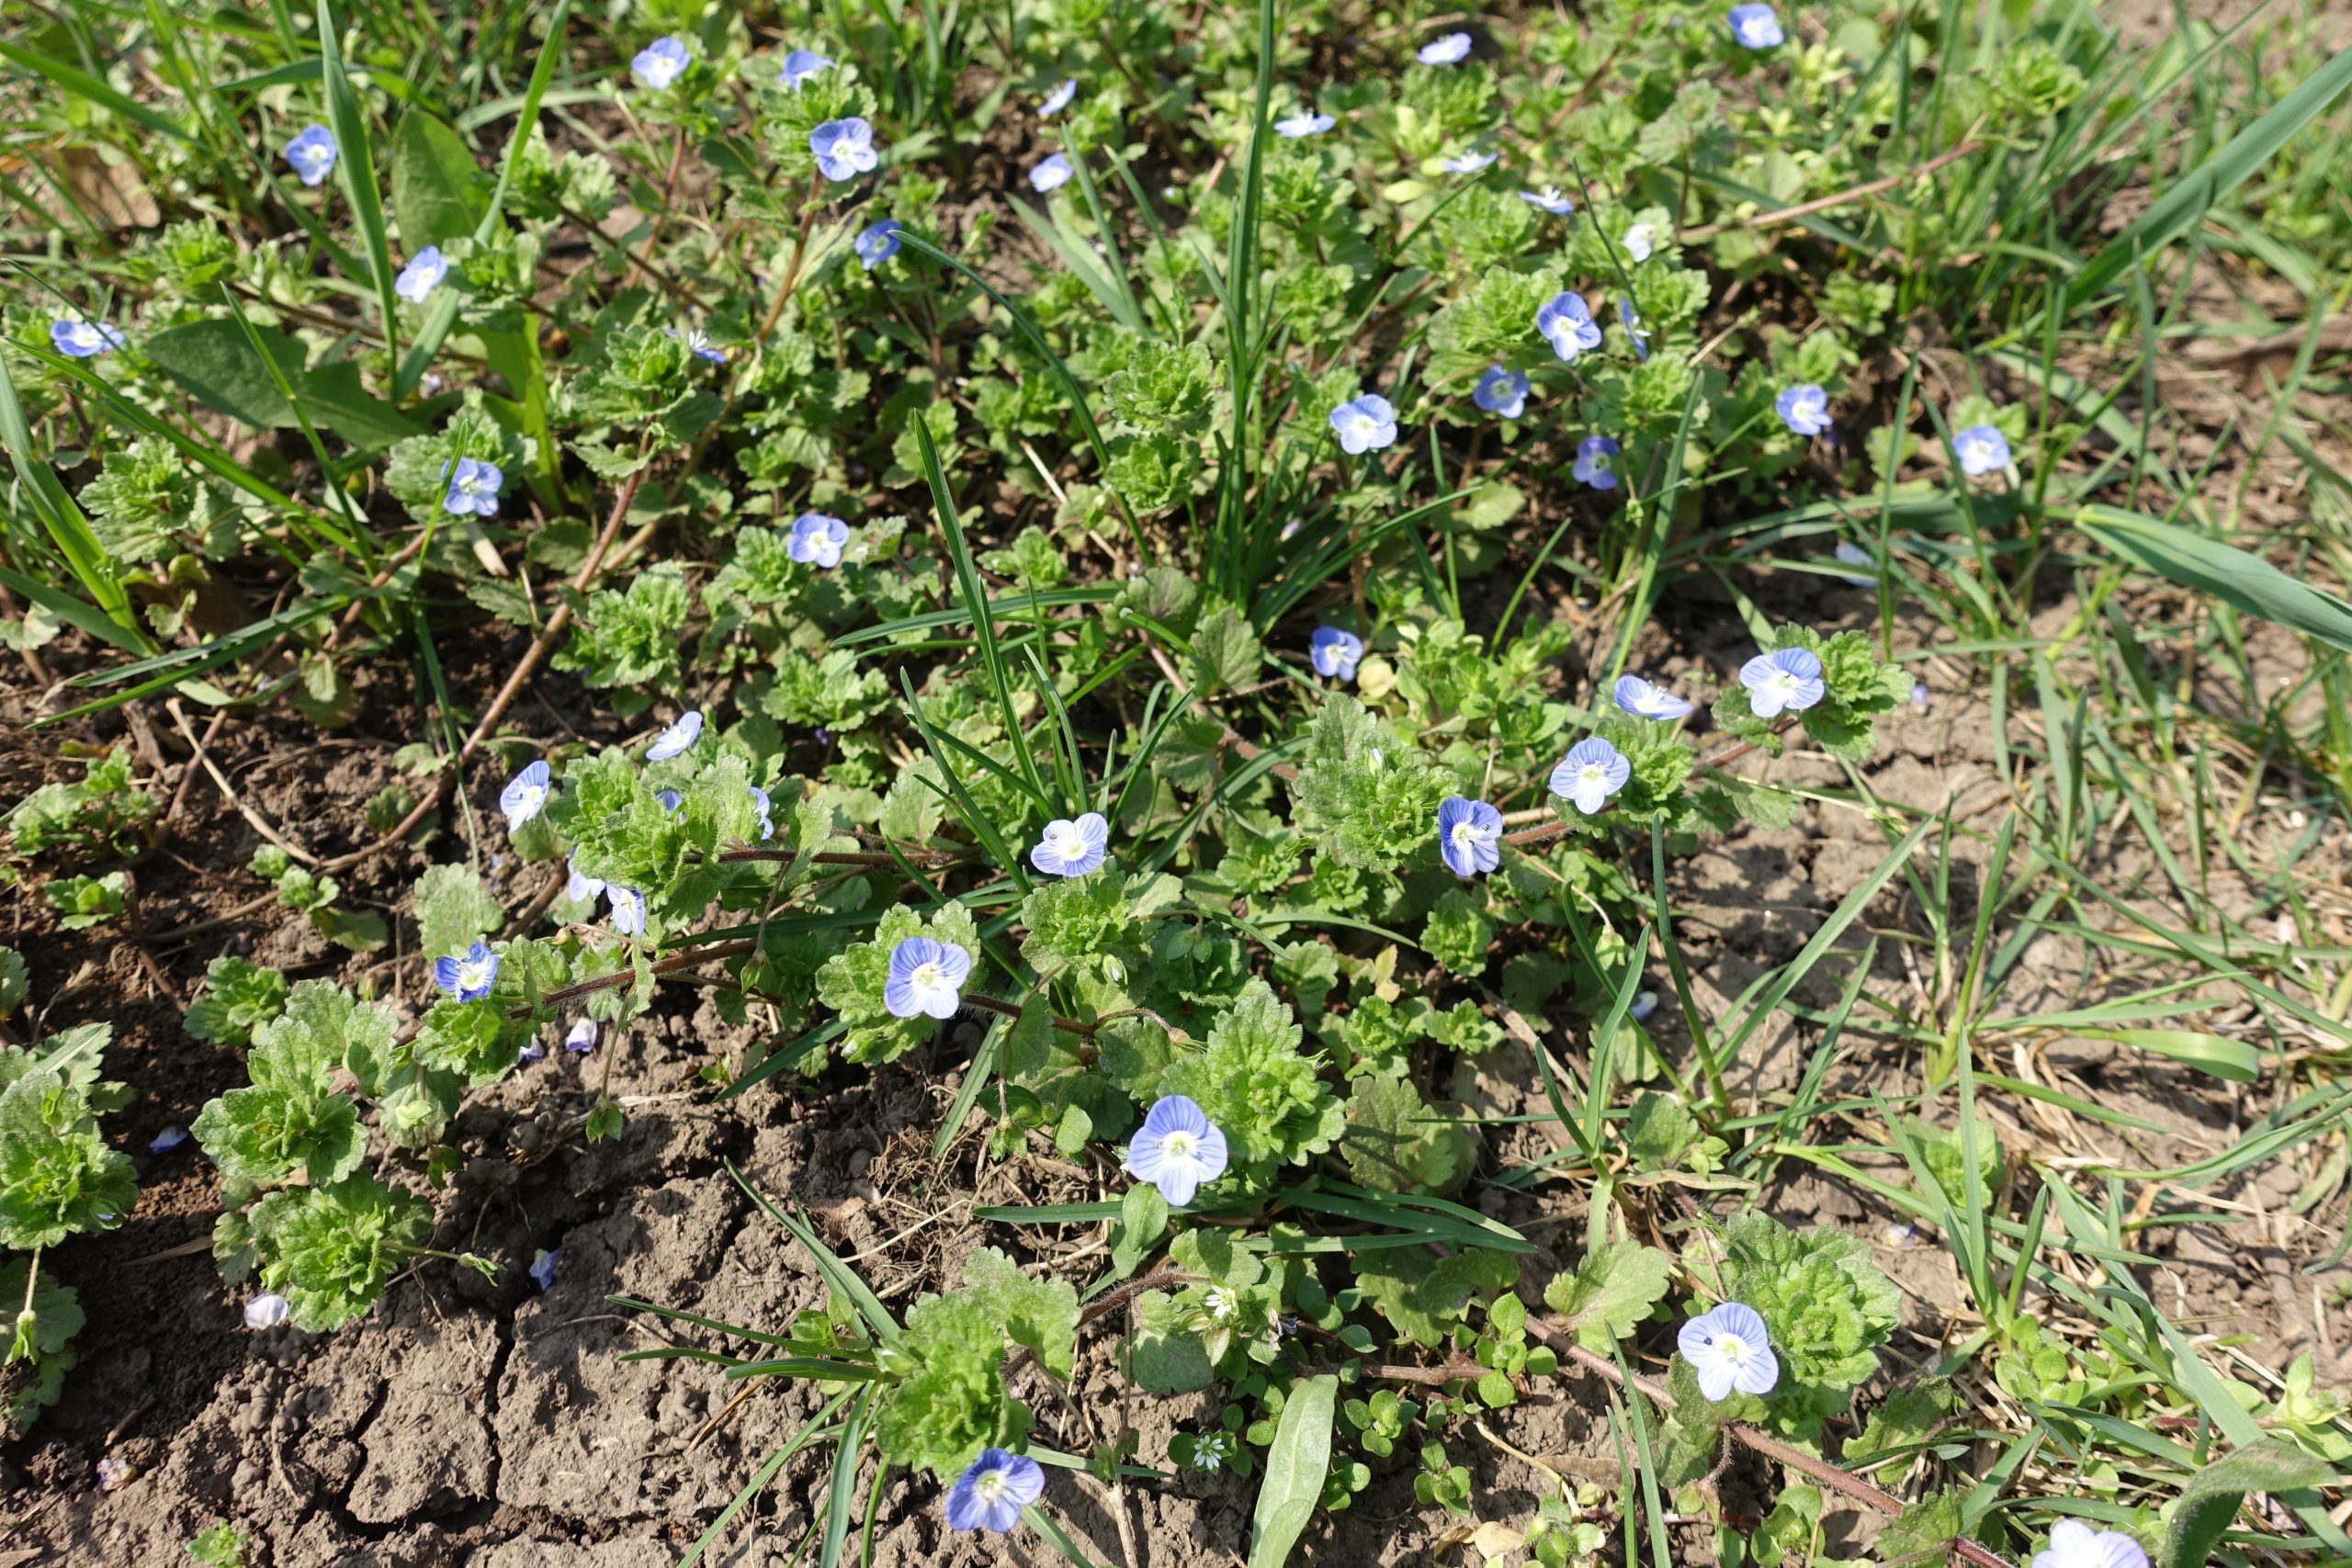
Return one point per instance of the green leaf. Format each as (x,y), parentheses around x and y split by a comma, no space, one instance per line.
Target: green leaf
(67,527)
(1610,1293)
(2228,573)
(1925,1528)
(2211,1497)
(214,361)
(1041,1313)
(355,171)
(1295,1464)
(439,191)
(453,910)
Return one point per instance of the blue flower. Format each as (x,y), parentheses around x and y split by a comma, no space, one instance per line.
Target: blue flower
(167,1140)
(1755,27)
(1468,162)
(473,489)
(467,976)
(78,339)
(1854,555)
(1591,772)
(531,1051)
(1983,450)
(1364,425)
(1644,1004)
(1645,699)
(1058,99)
(1804,409)
(1596,462)
(629,910)
(661,63)
(994,1490)
(1072,847)
(1178,1149)
(798,66)
(267,1311)
(1730,1347)
(877,243)
(1334,652)
(1052,172)
(926,978)
(579,887)
(1641,242)
(671,800)
(759,803)
(1920,695)
(422,276)
(311,154)
(1305,123)
(525,795)
(1566,323)
(697,344)
(542,1268)
(1788,680)
(1631,319)
(684,732)
(1469,836)
(580,1038)
(844,148)
(816,540)
(1502,392)
(1550,199)
(1451,49)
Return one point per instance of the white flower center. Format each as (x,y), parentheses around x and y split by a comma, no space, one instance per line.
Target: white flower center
(1782,682)
(1223,1303)
(1178,1144)
(928,977)
(472,976)
(1734,1349)
(1071,845)
(1594,775)
(988,1486)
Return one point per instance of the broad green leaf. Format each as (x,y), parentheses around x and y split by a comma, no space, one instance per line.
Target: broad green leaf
(2211,1497)
(216,362)
(1294,1468)
(438,192)
(1610,1293)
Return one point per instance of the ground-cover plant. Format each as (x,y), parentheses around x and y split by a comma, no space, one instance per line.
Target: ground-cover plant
(1190,615)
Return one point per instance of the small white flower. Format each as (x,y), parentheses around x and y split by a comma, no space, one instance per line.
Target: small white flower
(1641,240)
(267,1311)
(2074,1544)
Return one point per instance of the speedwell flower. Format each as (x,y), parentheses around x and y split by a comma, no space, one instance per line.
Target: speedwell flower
(311,154)
(1469,836)
(473,489)
(1787,681)
(1306,122)
(422,276)
(683,732)
(799,64)
(671,800)
(1596,462)
(1803,407)
(579,887)
(816,540)
(761,804)
(1072,847)
(698,343)
(994,1490)
(661,63)
(877,243)
(1983,450)
(267,1311)
(167,1140)
(1334,651)
(1641,242)
(542,1270)
(1591,772)
(1854,555)
(1501,391)
(1647,699)
(1364,425)
(1050,173)
(580,1038)
(467,976)
(1729,1347)
(1178,1149)
(629,910)
(1058,99)
(1451,49)
(1550,199)
(1755,27)
(926,977)
(1631,319)
(844,148)
(525,795)
(1468,162)
(78,339)
(1565,322)
(2074,1544)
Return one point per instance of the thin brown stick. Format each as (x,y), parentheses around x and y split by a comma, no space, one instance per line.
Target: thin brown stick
(1867,1492)
(1839,198)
